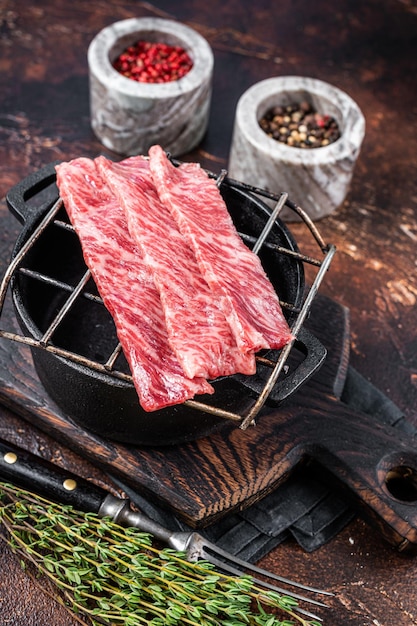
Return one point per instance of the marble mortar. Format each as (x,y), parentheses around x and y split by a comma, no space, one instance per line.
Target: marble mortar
(127,116)
(317,179)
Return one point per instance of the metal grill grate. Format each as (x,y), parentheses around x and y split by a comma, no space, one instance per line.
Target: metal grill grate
(84,288)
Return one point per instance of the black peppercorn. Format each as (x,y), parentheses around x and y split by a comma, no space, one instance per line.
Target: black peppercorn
(300,125)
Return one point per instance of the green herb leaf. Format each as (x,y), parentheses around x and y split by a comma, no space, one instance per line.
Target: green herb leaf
(117,576)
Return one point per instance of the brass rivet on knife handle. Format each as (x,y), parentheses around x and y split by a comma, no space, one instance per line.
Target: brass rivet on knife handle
(10,458)
(69,484)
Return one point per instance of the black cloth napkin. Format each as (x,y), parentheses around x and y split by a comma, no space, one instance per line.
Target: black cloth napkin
(304,507)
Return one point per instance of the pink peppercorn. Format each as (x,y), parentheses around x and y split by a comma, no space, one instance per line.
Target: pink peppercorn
(150,62)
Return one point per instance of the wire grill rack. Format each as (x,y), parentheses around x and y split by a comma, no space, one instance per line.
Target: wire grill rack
(53,215)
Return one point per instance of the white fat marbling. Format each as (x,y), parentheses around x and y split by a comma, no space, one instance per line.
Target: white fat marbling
(317,179)
(128,117)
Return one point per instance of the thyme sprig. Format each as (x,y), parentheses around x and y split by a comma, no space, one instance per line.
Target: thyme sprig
(116,576)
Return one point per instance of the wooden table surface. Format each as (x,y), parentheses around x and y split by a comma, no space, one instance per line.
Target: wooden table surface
(368,49)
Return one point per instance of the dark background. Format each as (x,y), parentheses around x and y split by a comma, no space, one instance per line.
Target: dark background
(367,48)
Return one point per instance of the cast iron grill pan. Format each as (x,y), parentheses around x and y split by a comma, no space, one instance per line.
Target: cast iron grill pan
(77,355)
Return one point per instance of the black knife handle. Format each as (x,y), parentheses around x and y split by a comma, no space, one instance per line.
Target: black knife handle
(28,471)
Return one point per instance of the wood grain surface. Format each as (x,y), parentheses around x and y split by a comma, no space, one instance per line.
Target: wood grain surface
(368,49)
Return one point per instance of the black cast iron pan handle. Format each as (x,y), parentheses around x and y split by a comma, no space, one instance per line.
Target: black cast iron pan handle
(314,355)
(39,182)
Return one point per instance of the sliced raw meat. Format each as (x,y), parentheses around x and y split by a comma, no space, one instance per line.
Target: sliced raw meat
(125,285)
(233,272)
(198,331)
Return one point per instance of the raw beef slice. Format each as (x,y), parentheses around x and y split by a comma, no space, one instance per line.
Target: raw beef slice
(233,272)
(197,329)
(125,285)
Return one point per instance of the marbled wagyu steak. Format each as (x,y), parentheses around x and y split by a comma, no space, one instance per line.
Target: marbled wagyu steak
(189,300)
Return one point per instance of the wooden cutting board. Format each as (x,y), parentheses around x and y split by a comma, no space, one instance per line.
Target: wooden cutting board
(205,479)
